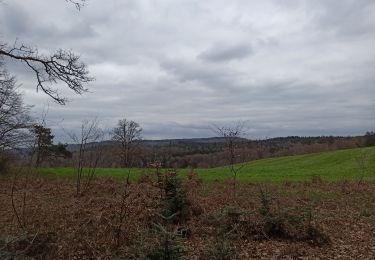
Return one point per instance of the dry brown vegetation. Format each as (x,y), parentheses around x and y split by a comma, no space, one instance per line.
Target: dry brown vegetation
(116,221)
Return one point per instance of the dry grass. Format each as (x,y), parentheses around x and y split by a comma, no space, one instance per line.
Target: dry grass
(60,225)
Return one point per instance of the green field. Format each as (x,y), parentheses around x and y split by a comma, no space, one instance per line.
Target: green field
(330,166)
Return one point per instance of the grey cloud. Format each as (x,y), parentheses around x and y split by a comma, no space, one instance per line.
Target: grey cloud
(347,18)
(40,31)
(211,77)
(226,53)
(303,69)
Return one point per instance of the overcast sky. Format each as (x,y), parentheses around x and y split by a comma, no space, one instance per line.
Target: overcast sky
(287,67)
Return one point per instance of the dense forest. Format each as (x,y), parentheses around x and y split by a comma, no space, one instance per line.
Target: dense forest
(210,152)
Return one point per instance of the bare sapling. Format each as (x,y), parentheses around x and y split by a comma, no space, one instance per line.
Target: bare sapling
(122,213)
(89,153)
(361,160)
(233,136)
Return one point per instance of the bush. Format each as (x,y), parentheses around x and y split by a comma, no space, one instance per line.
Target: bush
(176,205)
(227,224)
(317,237)
(168,245)
(29,246)
(144,178)
(272,224)
(221,248)
(294,223)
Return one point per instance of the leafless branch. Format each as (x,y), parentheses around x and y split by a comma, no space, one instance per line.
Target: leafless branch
(14,115)
(62,66)
(89,136)
(232,135)
(78,4)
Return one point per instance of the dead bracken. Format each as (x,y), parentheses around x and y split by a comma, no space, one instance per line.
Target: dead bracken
(264,221)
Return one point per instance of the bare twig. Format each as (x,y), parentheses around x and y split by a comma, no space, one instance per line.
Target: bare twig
(19,221)
(232,135)
(78,4)
(62,66)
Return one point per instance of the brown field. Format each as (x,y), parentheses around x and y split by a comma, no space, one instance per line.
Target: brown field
(57,224)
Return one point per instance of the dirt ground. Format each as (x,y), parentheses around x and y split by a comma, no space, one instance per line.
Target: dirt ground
(106,223)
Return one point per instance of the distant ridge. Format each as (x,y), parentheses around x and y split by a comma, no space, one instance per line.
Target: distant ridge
(217,140)
(163,142)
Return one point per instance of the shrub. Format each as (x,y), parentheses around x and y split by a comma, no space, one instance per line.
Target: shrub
(227,224)
(272,225)
(316,236)
(312,233)
(293,223)
(28,246)
(176,204)
(168,245)
(145,178)
(193,179)
(220,248)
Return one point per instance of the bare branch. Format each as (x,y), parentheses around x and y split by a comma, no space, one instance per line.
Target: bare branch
(14,115)
(232,135)
(62,66)
(78,4)
(87,161)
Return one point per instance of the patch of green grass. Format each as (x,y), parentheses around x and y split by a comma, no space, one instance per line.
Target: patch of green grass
(107,172)
(329,166)
(100,172)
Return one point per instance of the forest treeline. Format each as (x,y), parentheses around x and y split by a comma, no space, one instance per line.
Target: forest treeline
(212,152)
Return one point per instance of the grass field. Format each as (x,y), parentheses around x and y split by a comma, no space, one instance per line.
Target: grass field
(109,220)
(329,166)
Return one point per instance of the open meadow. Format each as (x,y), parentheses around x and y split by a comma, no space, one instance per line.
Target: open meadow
(298,207)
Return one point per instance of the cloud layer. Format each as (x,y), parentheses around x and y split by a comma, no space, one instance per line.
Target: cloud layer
(177,67)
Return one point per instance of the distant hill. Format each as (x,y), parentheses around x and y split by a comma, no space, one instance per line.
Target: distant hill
(208,140)
(163,142)
(221,140)
(212,152)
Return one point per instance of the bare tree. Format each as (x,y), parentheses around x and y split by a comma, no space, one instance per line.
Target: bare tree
(62,66)
(89,153)
(233,136)
(14,114)
(127,135)
(14,121)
